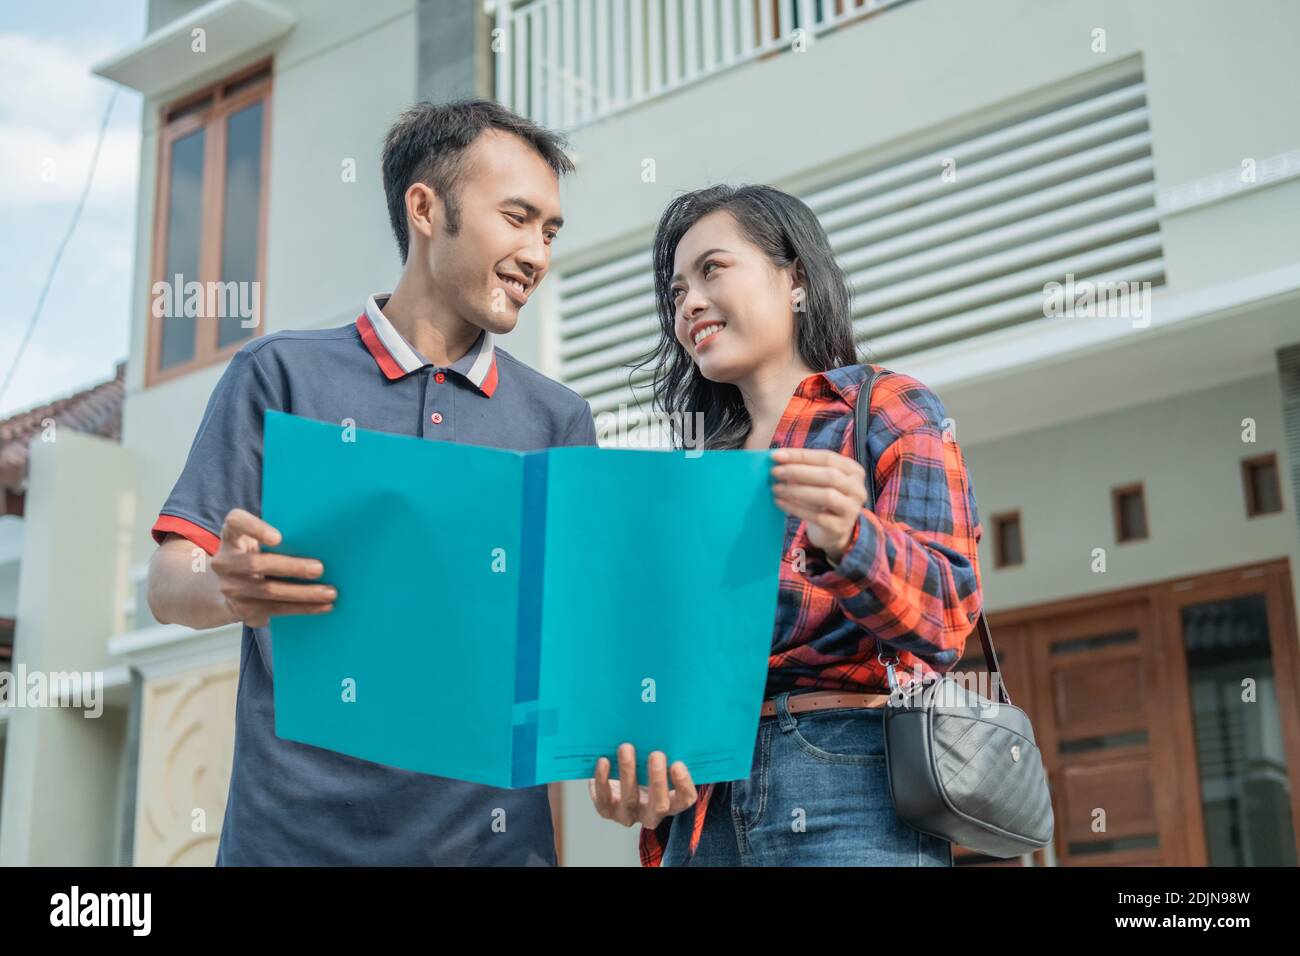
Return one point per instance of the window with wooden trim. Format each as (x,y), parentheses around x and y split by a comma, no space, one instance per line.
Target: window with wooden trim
(1129,505)
(1263,488)
(209,254)
(1008,546)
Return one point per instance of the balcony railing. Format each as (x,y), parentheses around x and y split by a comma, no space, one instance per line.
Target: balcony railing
(564,63)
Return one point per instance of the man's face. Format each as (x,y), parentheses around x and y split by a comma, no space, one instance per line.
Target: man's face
(509,213)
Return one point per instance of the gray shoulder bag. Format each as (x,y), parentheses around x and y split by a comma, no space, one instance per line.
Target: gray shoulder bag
(961,767)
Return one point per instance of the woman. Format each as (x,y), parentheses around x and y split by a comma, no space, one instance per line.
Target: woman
(756,333)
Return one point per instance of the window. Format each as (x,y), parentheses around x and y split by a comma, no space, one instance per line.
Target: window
(1263,492)
(1008,549)
(206,297)
(1241,756)
(1130,513)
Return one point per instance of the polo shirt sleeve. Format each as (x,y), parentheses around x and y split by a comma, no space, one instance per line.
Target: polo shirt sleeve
(582,430)
(224,467)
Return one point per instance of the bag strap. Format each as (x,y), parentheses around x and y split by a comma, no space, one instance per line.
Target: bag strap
(862,452)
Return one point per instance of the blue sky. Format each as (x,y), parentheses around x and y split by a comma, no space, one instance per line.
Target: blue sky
(51,107)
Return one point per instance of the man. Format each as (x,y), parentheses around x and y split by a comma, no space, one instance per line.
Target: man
(473,195)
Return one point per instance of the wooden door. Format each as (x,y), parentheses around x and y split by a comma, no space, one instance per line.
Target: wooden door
(1168,718)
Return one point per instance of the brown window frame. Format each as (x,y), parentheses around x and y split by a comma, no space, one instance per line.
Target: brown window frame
(11,503)
(999,557)
(180,119)
(1252,506)
(1115,495)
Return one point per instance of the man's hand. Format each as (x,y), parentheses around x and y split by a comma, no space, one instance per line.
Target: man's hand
(824,488)
(624,801)
(243,572)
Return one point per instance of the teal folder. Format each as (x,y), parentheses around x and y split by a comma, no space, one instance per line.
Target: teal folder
(507,618)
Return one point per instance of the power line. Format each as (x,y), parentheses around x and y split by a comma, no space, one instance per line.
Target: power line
(76,217)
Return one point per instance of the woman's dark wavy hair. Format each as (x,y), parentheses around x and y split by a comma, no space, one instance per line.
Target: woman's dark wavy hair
(785,230)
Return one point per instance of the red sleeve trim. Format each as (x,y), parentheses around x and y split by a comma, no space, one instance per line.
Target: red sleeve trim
(201,536)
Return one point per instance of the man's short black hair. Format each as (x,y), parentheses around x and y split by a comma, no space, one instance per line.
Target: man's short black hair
(427,145)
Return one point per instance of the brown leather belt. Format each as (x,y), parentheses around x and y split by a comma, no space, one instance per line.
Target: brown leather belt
(825,700)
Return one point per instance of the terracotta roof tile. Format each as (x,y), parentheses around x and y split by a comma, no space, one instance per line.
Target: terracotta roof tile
(93,411)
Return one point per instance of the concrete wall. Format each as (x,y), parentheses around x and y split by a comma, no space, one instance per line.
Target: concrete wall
(62,794)
(591,841)
(453,43)
(11,550)
(1187,453)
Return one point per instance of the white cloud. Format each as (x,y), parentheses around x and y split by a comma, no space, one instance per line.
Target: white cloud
(48,83)
(51,107)
(39,167)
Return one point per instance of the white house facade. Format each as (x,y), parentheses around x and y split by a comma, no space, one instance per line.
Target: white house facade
(1075,221)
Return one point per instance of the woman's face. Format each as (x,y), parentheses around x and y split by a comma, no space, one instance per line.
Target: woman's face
(732,307)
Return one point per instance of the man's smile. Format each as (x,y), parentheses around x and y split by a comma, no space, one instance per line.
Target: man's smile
(517,286)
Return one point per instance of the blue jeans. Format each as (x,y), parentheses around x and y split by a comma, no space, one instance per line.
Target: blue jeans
(817,795)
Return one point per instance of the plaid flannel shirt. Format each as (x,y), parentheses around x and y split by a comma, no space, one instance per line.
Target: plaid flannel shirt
(910,577)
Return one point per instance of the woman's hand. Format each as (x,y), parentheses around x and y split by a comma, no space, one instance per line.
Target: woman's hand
(624,801)
(823,488)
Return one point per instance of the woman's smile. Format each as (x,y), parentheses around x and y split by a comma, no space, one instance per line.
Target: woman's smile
(705,332)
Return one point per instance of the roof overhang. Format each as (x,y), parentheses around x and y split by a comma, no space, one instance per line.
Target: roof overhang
(165,60)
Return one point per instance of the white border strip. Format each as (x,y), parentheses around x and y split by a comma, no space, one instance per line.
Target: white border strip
(1224,185)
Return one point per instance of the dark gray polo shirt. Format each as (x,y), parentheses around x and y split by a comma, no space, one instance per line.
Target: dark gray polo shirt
(291,803)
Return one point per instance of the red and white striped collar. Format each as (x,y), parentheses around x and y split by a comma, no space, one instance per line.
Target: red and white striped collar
(396,358)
